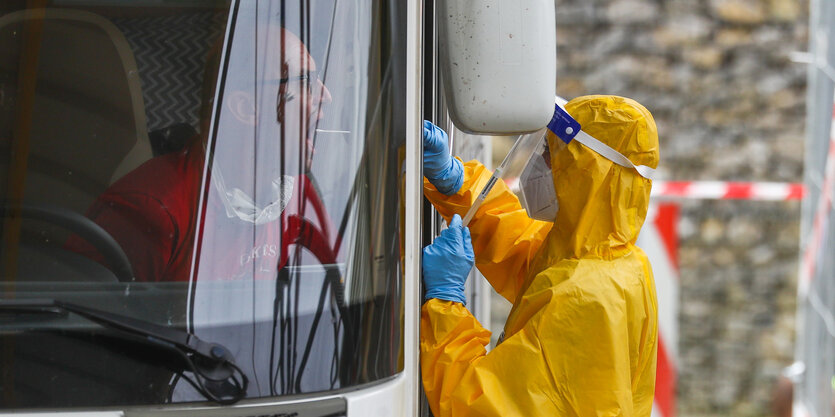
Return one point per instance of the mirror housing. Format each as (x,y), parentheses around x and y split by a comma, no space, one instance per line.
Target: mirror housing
(498,60)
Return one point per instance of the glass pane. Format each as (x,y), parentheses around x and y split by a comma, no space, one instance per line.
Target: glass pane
(89,96)
(303,198)
(230,173)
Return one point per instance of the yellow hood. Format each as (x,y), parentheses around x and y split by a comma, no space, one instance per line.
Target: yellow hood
(602,205)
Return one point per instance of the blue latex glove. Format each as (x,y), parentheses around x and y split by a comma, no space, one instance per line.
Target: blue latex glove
(439,167)
(447,263)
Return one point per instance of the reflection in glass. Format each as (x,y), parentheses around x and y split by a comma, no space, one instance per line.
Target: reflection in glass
(243,167)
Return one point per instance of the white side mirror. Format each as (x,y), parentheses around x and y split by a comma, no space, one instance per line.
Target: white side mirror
(498,60)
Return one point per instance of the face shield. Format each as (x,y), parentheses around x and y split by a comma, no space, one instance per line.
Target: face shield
(536,182)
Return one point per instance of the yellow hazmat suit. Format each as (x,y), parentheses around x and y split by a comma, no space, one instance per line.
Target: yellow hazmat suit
(582,335)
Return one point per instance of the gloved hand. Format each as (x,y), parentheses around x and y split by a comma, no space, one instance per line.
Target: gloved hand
(439,167)
(447,263)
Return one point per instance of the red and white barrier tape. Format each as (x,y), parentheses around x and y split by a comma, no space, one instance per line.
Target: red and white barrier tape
(723,190)
(718,190)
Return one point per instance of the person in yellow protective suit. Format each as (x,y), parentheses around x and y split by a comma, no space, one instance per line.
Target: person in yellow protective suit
(581,337)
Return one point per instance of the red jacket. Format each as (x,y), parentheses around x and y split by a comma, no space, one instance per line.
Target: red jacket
(152,213)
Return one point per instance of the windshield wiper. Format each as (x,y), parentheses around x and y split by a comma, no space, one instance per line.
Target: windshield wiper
(217,377)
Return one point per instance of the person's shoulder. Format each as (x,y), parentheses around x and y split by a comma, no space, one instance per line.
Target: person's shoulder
(591,280)
(174,175)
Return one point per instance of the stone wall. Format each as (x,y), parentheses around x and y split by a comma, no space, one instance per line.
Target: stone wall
(738,267)
(729,104)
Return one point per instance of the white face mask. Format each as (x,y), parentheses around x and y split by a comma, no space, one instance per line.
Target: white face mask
(239,204)
(536,184)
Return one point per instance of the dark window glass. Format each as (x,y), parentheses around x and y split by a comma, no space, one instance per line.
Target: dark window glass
(230,172)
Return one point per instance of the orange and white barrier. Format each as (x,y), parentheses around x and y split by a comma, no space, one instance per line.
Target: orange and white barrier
(659,239)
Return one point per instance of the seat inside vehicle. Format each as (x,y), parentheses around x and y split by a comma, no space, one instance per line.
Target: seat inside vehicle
(83,87)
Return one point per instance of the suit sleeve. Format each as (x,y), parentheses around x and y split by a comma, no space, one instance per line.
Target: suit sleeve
(505,239)
(564,361)
(461,380)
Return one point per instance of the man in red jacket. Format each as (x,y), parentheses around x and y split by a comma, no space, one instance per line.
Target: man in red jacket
(255,195)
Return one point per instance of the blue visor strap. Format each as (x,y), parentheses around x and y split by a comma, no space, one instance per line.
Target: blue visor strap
(568,129)
(563,125)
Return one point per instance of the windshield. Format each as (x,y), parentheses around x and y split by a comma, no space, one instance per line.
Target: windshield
(232,170)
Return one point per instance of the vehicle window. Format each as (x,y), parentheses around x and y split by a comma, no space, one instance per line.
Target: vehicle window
(228,169)
(301,221)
